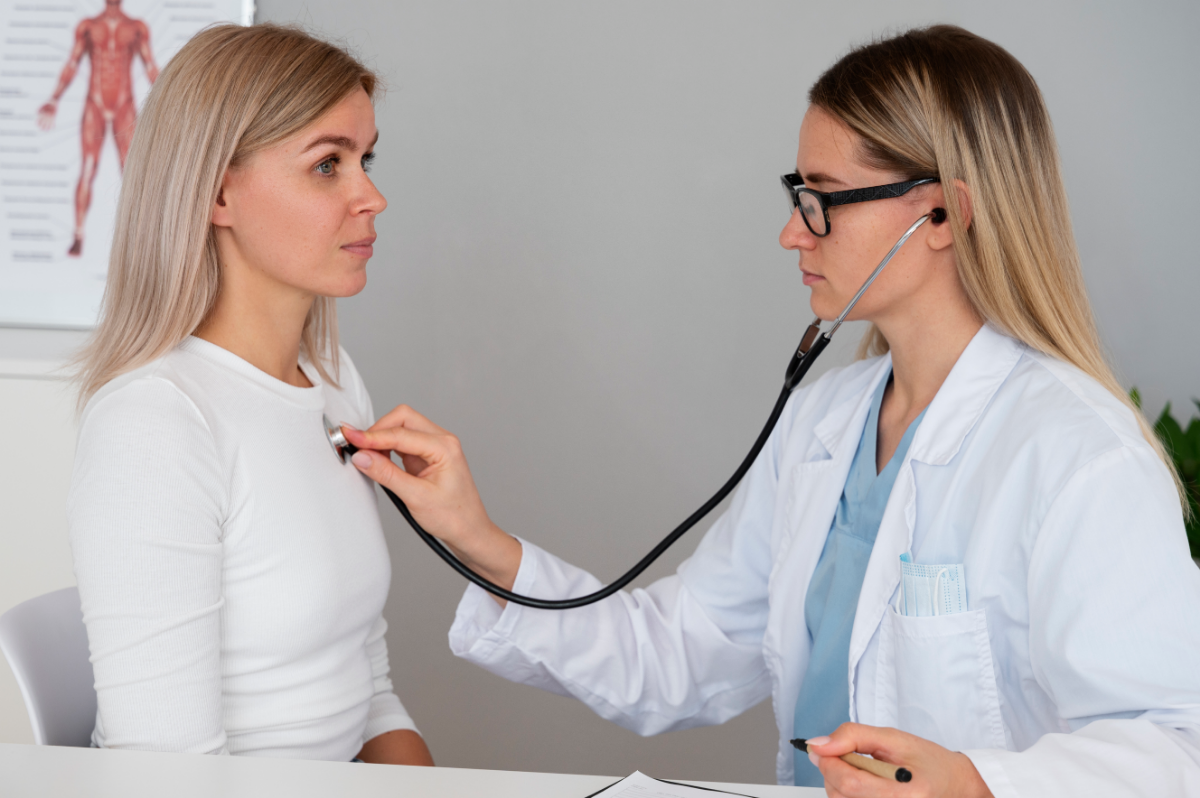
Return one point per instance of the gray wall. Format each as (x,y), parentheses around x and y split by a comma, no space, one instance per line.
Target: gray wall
(578,273)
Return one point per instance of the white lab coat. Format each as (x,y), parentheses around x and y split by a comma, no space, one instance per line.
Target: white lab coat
(1076,668)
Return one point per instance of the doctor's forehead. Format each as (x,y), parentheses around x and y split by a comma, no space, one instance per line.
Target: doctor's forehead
(827,153)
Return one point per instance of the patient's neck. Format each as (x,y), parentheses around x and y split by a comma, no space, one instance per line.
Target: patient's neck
(260,321)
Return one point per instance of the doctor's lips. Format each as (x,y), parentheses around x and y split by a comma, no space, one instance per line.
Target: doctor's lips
(361,248)
(810,278)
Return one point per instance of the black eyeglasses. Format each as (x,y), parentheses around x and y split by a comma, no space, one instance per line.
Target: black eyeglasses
(814,205)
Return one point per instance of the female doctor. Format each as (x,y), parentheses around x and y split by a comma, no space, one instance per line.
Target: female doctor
(964,554)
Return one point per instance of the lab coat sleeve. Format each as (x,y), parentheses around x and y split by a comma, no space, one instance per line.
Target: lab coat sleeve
(684,652)
(649,660)
(144,514)
(386,712)
(1114,640)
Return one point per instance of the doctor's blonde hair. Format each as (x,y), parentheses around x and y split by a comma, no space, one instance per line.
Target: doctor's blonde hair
(228,93)
(941,102)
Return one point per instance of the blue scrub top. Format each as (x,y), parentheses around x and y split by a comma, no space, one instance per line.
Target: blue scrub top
(832,598)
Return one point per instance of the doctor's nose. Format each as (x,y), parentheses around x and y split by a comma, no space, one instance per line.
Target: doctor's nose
(795,234)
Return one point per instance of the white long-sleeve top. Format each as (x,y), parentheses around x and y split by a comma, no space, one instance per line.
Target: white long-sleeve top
(1074,672)
(233,572)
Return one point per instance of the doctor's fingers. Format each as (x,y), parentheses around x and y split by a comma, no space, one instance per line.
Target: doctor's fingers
(846,781)
(880,742)
(443,500)
(437,449)
(936,771)
(378,466)
(405,416)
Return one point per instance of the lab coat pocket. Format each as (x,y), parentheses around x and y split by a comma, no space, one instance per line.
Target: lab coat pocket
(935,679)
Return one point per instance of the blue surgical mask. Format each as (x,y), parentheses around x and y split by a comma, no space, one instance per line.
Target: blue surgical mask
(931,589)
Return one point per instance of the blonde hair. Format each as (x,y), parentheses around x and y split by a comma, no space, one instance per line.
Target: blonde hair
(944,103)
(229,92)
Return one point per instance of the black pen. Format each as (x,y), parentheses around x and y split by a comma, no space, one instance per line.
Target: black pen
(884,770)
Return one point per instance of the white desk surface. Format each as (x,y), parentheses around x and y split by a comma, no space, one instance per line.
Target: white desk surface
(29,771)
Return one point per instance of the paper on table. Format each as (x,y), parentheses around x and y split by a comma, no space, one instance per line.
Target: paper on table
(639,785)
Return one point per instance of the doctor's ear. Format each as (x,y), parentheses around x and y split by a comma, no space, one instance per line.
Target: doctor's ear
(940,235)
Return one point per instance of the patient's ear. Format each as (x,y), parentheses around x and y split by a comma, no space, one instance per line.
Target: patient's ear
(222,213)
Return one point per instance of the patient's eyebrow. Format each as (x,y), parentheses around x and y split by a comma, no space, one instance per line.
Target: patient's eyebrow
(345,142)
(337,141)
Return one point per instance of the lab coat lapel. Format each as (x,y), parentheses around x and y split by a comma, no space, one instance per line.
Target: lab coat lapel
(813,485)
(954,411)
(818,478)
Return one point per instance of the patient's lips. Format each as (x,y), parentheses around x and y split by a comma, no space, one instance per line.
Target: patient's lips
(361,248)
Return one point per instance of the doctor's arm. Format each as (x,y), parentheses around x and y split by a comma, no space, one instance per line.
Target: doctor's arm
(1114,639)
(649,659)
(1114,634)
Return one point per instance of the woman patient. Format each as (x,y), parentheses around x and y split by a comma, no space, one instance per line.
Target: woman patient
(233,571)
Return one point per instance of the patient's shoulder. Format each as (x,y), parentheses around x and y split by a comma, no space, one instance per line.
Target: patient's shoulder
(144,406)
(155,386)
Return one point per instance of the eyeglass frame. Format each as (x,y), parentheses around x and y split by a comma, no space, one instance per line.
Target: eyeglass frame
(793,184)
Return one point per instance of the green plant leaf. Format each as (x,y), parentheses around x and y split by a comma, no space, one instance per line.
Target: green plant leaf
(1193,440)
(1183,447)
(1171,434)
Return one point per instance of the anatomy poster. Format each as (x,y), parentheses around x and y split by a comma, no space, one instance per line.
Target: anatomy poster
(73,74)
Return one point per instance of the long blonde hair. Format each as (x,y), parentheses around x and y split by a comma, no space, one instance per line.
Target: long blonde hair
(942,102)
(229,92)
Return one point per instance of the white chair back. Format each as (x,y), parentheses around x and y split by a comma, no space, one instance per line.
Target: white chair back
(45,643)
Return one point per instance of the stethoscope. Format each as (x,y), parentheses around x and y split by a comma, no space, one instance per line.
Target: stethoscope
(811,346)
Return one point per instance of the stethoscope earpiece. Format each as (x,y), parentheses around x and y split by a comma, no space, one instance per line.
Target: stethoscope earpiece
(937,215)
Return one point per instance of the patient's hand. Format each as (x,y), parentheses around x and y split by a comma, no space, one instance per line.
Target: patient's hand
(438,488)
(399,747)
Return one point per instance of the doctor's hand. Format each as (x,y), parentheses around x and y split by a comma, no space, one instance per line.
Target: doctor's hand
(936,770)
(437,486)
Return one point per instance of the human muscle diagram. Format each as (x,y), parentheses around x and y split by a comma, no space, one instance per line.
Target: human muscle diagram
(111,40)
(72,78)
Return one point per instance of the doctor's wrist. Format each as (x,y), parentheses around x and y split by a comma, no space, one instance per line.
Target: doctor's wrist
(969,783)
(490,552)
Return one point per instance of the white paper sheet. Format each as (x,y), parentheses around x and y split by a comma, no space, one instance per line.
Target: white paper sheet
(639,785)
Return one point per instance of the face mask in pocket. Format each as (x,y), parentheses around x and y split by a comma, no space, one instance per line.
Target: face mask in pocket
(931,589)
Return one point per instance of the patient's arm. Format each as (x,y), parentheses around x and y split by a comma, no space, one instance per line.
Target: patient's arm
(145,515)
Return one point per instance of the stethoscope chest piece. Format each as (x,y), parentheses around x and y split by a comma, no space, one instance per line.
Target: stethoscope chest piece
(337,439)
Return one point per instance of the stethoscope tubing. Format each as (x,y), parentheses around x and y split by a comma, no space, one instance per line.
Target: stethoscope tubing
(655,553)
(811,346)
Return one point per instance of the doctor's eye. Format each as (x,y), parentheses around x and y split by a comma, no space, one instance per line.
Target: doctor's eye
(367,161)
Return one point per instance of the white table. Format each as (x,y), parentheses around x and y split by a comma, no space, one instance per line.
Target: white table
(29,771)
